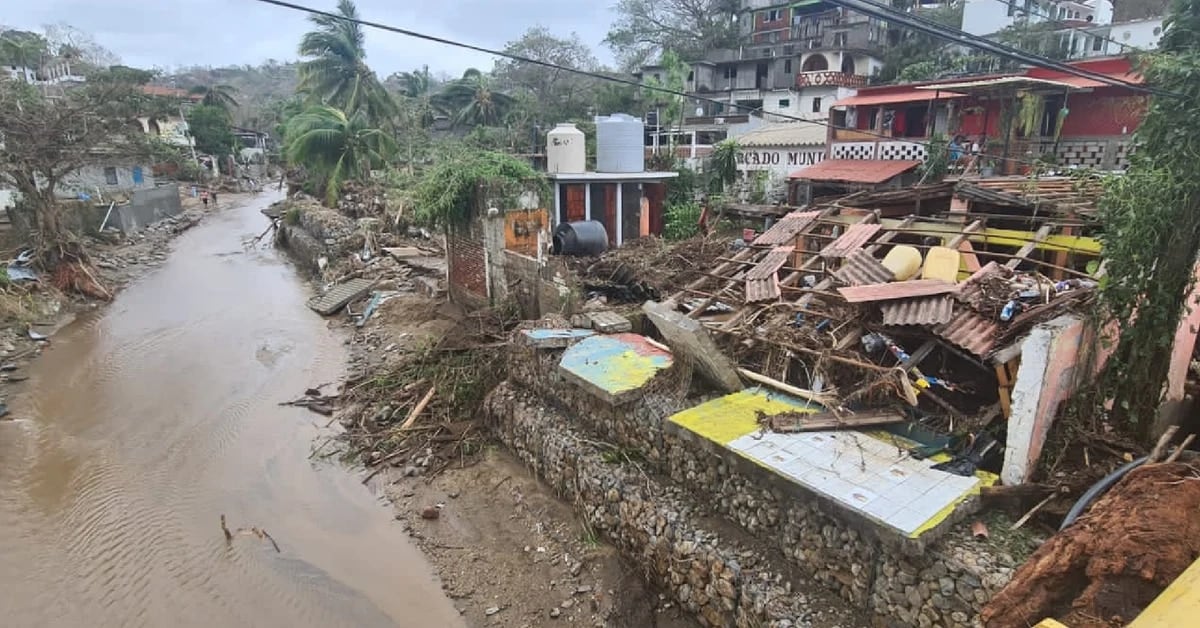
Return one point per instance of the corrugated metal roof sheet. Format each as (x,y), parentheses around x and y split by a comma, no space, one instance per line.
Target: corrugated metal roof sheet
(996,83)
(920,311)
(784,231)
(852,240)
(855,170)
(862,269)
(866,97)
(770,263)
(764,289)
(896,290)
(785,134)
(970,330)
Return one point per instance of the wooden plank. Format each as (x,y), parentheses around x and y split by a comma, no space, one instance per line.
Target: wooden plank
(797,422)
(827,282)
(1028,248)
(896,290)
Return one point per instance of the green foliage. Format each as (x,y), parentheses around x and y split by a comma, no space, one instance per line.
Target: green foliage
(1029,116)
(681,189)
(554,94)
(474,101)
(681,220)
(219,96)
(335,72)
(450,191)
(937,162)
(644,28)
(292,217)
(723,164)
(335,147)
(210,127)
(917,56)
(1151,218)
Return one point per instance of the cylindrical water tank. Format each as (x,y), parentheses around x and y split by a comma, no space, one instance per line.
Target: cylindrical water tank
(566,150)
(620,143)
(584,238)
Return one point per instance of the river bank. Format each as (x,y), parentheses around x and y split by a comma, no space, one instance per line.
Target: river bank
(146,420)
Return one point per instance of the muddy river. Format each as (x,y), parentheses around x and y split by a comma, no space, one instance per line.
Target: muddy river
(148,419)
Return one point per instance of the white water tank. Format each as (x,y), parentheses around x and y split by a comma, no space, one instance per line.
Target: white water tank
(566,150)
(620,143)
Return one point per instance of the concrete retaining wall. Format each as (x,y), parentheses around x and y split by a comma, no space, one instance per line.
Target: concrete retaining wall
(145,207)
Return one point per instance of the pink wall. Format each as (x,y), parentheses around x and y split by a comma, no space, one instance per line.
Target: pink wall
(1185,342)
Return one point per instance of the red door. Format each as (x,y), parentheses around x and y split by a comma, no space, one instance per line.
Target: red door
(576,203)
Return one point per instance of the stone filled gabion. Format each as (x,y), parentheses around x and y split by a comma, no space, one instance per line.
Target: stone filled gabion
(905,582)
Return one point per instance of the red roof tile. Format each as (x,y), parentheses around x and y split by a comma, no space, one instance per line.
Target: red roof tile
(765,289)
(852,240)
(919,311)
(855,170)
(896,290)
(770,263)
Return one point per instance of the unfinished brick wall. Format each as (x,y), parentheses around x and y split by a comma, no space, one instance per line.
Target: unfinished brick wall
(467,266)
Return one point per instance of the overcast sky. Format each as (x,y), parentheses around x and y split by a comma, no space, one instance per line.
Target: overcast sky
(172,33)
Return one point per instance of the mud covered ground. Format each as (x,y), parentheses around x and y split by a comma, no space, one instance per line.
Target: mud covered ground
(1103,570)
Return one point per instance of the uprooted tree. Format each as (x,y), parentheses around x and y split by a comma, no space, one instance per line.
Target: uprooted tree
(47,138)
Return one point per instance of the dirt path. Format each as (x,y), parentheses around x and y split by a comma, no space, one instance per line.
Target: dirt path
(509,553)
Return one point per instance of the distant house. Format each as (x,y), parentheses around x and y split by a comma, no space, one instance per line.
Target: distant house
(254,144)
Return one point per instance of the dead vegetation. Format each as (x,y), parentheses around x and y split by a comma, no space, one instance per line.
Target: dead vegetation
(422,411)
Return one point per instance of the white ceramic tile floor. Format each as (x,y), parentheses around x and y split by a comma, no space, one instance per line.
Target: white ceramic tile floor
(861,472)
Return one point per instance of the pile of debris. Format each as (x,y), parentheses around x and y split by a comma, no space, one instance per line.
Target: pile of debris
(647,269)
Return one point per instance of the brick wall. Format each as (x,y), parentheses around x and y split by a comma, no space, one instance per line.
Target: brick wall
(467,267)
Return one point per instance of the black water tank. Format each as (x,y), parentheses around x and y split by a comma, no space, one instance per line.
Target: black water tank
(586,238)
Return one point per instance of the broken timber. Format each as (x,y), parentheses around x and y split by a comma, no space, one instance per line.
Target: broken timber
(790,422)
(338,296)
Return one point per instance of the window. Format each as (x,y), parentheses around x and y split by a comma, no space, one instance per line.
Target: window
(816,104)
(839,39)
(691,76)
(787,66)
(1097,44)
(658,77)
(730,71)
(784,103)
(774,15)
(110,175)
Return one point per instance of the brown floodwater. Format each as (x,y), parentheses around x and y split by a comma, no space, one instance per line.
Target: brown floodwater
(146,420)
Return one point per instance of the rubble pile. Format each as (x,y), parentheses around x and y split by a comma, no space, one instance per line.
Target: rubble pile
(647,269)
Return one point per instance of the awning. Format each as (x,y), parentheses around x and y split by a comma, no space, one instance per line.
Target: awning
(1079,82)
(909,95)
(1000,84)
(855,170)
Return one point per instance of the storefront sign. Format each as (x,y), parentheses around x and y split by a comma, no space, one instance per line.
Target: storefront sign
(761,159)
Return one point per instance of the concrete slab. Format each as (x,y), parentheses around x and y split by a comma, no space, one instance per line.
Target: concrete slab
(869,473)
(609,322)
(338,296)
(688,338)
(553,338)
(614,368)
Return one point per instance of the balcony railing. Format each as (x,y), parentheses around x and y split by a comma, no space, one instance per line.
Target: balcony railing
(829,78)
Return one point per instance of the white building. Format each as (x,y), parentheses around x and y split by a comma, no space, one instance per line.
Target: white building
(985,17)
(773,151)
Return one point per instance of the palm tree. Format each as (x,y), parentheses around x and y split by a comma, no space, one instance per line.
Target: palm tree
(336,146)
(219,96)
(474,101)
(335,73)
(417,92)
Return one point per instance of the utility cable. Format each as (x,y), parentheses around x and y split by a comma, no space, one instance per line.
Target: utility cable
(605,77)
(935,29)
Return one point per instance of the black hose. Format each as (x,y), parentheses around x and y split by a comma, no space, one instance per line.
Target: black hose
(1097,490)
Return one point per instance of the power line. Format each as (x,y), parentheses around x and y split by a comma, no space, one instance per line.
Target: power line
(935,29)
(596,75)
(1028,10)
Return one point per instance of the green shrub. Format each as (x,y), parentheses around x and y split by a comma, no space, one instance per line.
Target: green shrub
(292,217)
(682,220)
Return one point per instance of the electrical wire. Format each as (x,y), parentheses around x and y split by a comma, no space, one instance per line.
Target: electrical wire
(603,77)
(941,31)
(1052,20)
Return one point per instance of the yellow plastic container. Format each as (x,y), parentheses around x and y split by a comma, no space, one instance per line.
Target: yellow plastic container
(941,263)
(904,261)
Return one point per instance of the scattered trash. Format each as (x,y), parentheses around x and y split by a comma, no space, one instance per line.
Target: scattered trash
(979,530)
(259,533)
(491,610)
(38,336)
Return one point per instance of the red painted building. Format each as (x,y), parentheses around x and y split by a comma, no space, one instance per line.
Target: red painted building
(1049,115)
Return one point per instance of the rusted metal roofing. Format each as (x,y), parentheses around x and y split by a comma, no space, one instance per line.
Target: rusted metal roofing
(862,269)
(852,240)
(770,263)
(855,170)
(919,311)
(763,289)
(784,231)
(970,330)
(896,290)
